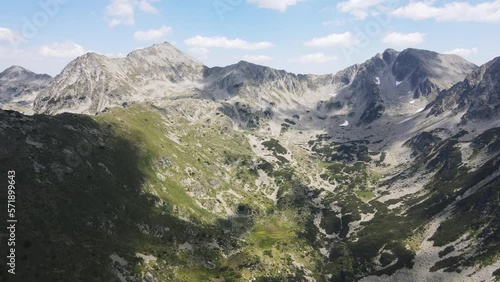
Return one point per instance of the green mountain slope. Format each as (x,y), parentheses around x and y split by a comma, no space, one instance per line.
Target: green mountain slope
(147,193)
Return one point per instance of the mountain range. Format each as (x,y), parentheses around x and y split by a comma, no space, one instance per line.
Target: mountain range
(155,167)
(19,87)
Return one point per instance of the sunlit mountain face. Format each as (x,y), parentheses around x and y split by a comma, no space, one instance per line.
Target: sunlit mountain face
(155,167)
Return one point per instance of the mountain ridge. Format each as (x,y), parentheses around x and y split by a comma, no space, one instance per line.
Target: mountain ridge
(19,87)
(162,72)
(172,171)
(477,95)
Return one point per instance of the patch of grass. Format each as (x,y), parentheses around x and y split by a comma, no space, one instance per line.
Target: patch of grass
(365,194)
(496,274)
(267,233)
(275,146)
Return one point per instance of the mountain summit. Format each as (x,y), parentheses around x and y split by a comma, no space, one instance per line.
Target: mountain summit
(396,83)
(92,82)
(19,87)
(388,81)
(388,170)
(478,96)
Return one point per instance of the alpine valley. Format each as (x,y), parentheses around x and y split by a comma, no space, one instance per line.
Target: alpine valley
(154,167)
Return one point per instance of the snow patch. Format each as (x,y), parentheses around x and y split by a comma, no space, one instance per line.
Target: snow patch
(398,83)
(346,123)
(377,80)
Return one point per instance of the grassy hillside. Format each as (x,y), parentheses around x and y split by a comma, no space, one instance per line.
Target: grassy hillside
(146,193)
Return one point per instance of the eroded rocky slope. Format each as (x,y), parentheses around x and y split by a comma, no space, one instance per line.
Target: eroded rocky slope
(19,88)
(242,183)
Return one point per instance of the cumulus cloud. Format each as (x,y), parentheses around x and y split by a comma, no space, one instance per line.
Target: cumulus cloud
(257,58)
(336,39)
(316,58)
(279,5)
(67,49)
(123,11)
(30,59)
(152,34)
(147,6)
(9,36)
(358,8)
(404,39)
(463,52)
(488,12)
(223,42)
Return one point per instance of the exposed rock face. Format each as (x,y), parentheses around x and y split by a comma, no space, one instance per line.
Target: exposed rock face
(478,95)
(430,72)
(249,80)
(397,82)
(19,87)
(247,173)
(93,82)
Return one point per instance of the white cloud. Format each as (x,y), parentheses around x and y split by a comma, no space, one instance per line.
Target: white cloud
(152,34)
(358,8)
(30,59)
(257,58)
(404,39)
(279,5)
(488,12)
(223,42)
(336,39)
(463,52)
(146,6)
(9,36)
(351,5)
(316,58)
(123,11)
(67,49)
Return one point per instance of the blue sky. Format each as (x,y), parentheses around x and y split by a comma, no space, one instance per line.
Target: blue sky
(301,36)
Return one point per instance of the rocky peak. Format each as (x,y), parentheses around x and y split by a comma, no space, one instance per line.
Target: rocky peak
(92,82)
(429,72)
(252,80)
(19,87)
(164,54)
(17,73)
(390,55)
(478,95)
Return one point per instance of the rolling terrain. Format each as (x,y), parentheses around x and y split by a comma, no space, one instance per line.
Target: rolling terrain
(154,167)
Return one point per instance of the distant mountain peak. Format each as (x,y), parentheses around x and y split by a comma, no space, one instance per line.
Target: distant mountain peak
(164,52)
(92,81)
(19,87)
(390,55)
(478,96)
(15,71)
(243,63)
(162,70)
(19,73)
(17,68)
